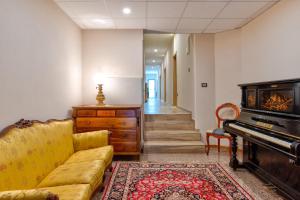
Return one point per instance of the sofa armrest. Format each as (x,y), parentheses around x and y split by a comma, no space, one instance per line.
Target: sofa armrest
(28,195)
(89,140)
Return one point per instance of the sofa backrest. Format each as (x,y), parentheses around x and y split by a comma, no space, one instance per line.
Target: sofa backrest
(29,154)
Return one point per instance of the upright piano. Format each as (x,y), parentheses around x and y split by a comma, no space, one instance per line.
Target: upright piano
(269,124)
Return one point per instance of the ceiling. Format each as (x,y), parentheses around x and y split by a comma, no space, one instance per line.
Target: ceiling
(159,42)
(176,16)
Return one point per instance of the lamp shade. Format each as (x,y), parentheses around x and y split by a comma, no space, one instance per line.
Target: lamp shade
(99,79)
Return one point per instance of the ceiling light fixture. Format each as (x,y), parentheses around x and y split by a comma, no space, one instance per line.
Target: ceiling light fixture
(153,61)
(155,50)
(100,21)
(126,11)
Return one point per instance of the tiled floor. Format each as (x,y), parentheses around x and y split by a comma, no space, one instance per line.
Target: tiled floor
(155,106)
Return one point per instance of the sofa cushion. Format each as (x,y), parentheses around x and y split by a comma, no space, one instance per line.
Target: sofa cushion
(76,173)
(101,153)
(89,140)
(28,155)
(71,192)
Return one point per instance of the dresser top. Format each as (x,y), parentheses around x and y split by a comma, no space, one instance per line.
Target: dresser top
(108,106)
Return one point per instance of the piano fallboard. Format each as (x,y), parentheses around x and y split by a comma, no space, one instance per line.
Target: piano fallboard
(282,126)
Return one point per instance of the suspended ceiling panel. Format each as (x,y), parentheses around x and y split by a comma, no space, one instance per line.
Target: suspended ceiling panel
(176,16)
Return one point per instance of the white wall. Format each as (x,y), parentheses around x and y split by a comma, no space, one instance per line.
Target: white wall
(271,44)
(40,61)
(228,67)
(204,72)
(117,54)
(185,86)
(265,49)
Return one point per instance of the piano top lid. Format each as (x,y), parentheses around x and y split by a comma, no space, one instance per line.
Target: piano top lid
(296,80)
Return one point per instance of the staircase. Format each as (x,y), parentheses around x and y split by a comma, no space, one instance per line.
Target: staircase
(171,133)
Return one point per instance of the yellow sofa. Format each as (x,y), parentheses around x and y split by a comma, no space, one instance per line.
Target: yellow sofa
(47,161)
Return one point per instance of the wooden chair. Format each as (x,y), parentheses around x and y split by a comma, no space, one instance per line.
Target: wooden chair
(234,110)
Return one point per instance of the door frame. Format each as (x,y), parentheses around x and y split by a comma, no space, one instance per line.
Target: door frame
(175,92)
(165,85)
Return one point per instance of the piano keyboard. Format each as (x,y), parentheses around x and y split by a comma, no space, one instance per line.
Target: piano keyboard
(263,136)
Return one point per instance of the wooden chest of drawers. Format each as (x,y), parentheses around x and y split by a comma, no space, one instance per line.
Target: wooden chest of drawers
(123,121)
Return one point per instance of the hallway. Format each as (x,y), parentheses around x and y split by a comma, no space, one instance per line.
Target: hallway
(155,106)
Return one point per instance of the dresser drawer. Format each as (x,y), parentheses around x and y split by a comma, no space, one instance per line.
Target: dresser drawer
(126,113)
(106,113)
(126,123)
(86,113)
(124,147)
(123,136)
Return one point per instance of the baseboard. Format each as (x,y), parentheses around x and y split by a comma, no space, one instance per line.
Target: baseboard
(223,148)
(190,112)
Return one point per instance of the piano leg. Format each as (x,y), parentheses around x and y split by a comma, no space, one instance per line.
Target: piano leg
(234,161)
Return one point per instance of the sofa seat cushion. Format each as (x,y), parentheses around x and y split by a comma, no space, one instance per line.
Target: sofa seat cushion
(101,153)
(76,173)
(71,192)
(32,194)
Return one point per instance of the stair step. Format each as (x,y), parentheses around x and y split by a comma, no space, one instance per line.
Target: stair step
(170,125)
(180,135)
(174,147)
(165,117)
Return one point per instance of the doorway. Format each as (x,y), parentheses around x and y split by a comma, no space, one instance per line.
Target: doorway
(152,88)
(165,85)
(175,93)
(158,70)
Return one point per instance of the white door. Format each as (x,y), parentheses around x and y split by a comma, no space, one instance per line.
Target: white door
(151,84)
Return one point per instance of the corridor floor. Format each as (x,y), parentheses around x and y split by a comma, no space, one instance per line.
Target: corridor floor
(155,106)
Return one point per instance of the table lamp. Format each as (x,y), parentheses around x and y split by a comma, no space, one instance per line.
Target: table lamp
(100,96)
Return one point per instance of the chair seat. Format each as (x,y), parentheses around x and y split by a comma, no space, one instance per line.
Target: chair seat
(101,153)
(76,173)
(210,131)
(71,192)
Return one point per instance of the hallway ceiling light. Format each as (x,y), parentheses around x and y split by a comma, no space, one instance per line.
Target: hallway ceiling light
(155,50)
(153,61)
(126,11)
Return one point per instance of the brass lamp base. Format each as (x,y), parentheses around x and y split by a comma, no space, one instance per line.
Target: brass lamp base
(100,96)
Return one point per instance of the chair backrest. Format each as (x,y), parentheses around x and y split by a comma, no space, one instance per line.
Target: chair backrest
(227,111)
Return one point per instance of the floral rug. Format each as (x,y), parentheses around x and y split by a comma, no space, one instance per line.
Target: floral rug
(173,181)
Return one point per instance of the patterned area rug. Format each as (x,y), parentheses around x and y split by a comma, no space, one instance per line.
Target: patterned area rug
(173,181)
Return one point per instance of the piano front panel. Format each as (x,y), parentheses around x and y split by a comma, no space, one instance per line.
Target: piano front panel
(273,166)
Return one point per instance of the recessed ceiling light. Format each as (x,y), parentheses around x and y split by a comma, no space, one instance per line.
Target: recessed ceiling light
(100,21)
(153,61)
(155,50)
(126,11)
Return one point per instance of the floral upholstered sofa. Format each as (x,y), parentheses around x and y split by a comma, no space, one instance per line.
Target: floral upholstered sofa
(45,160)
